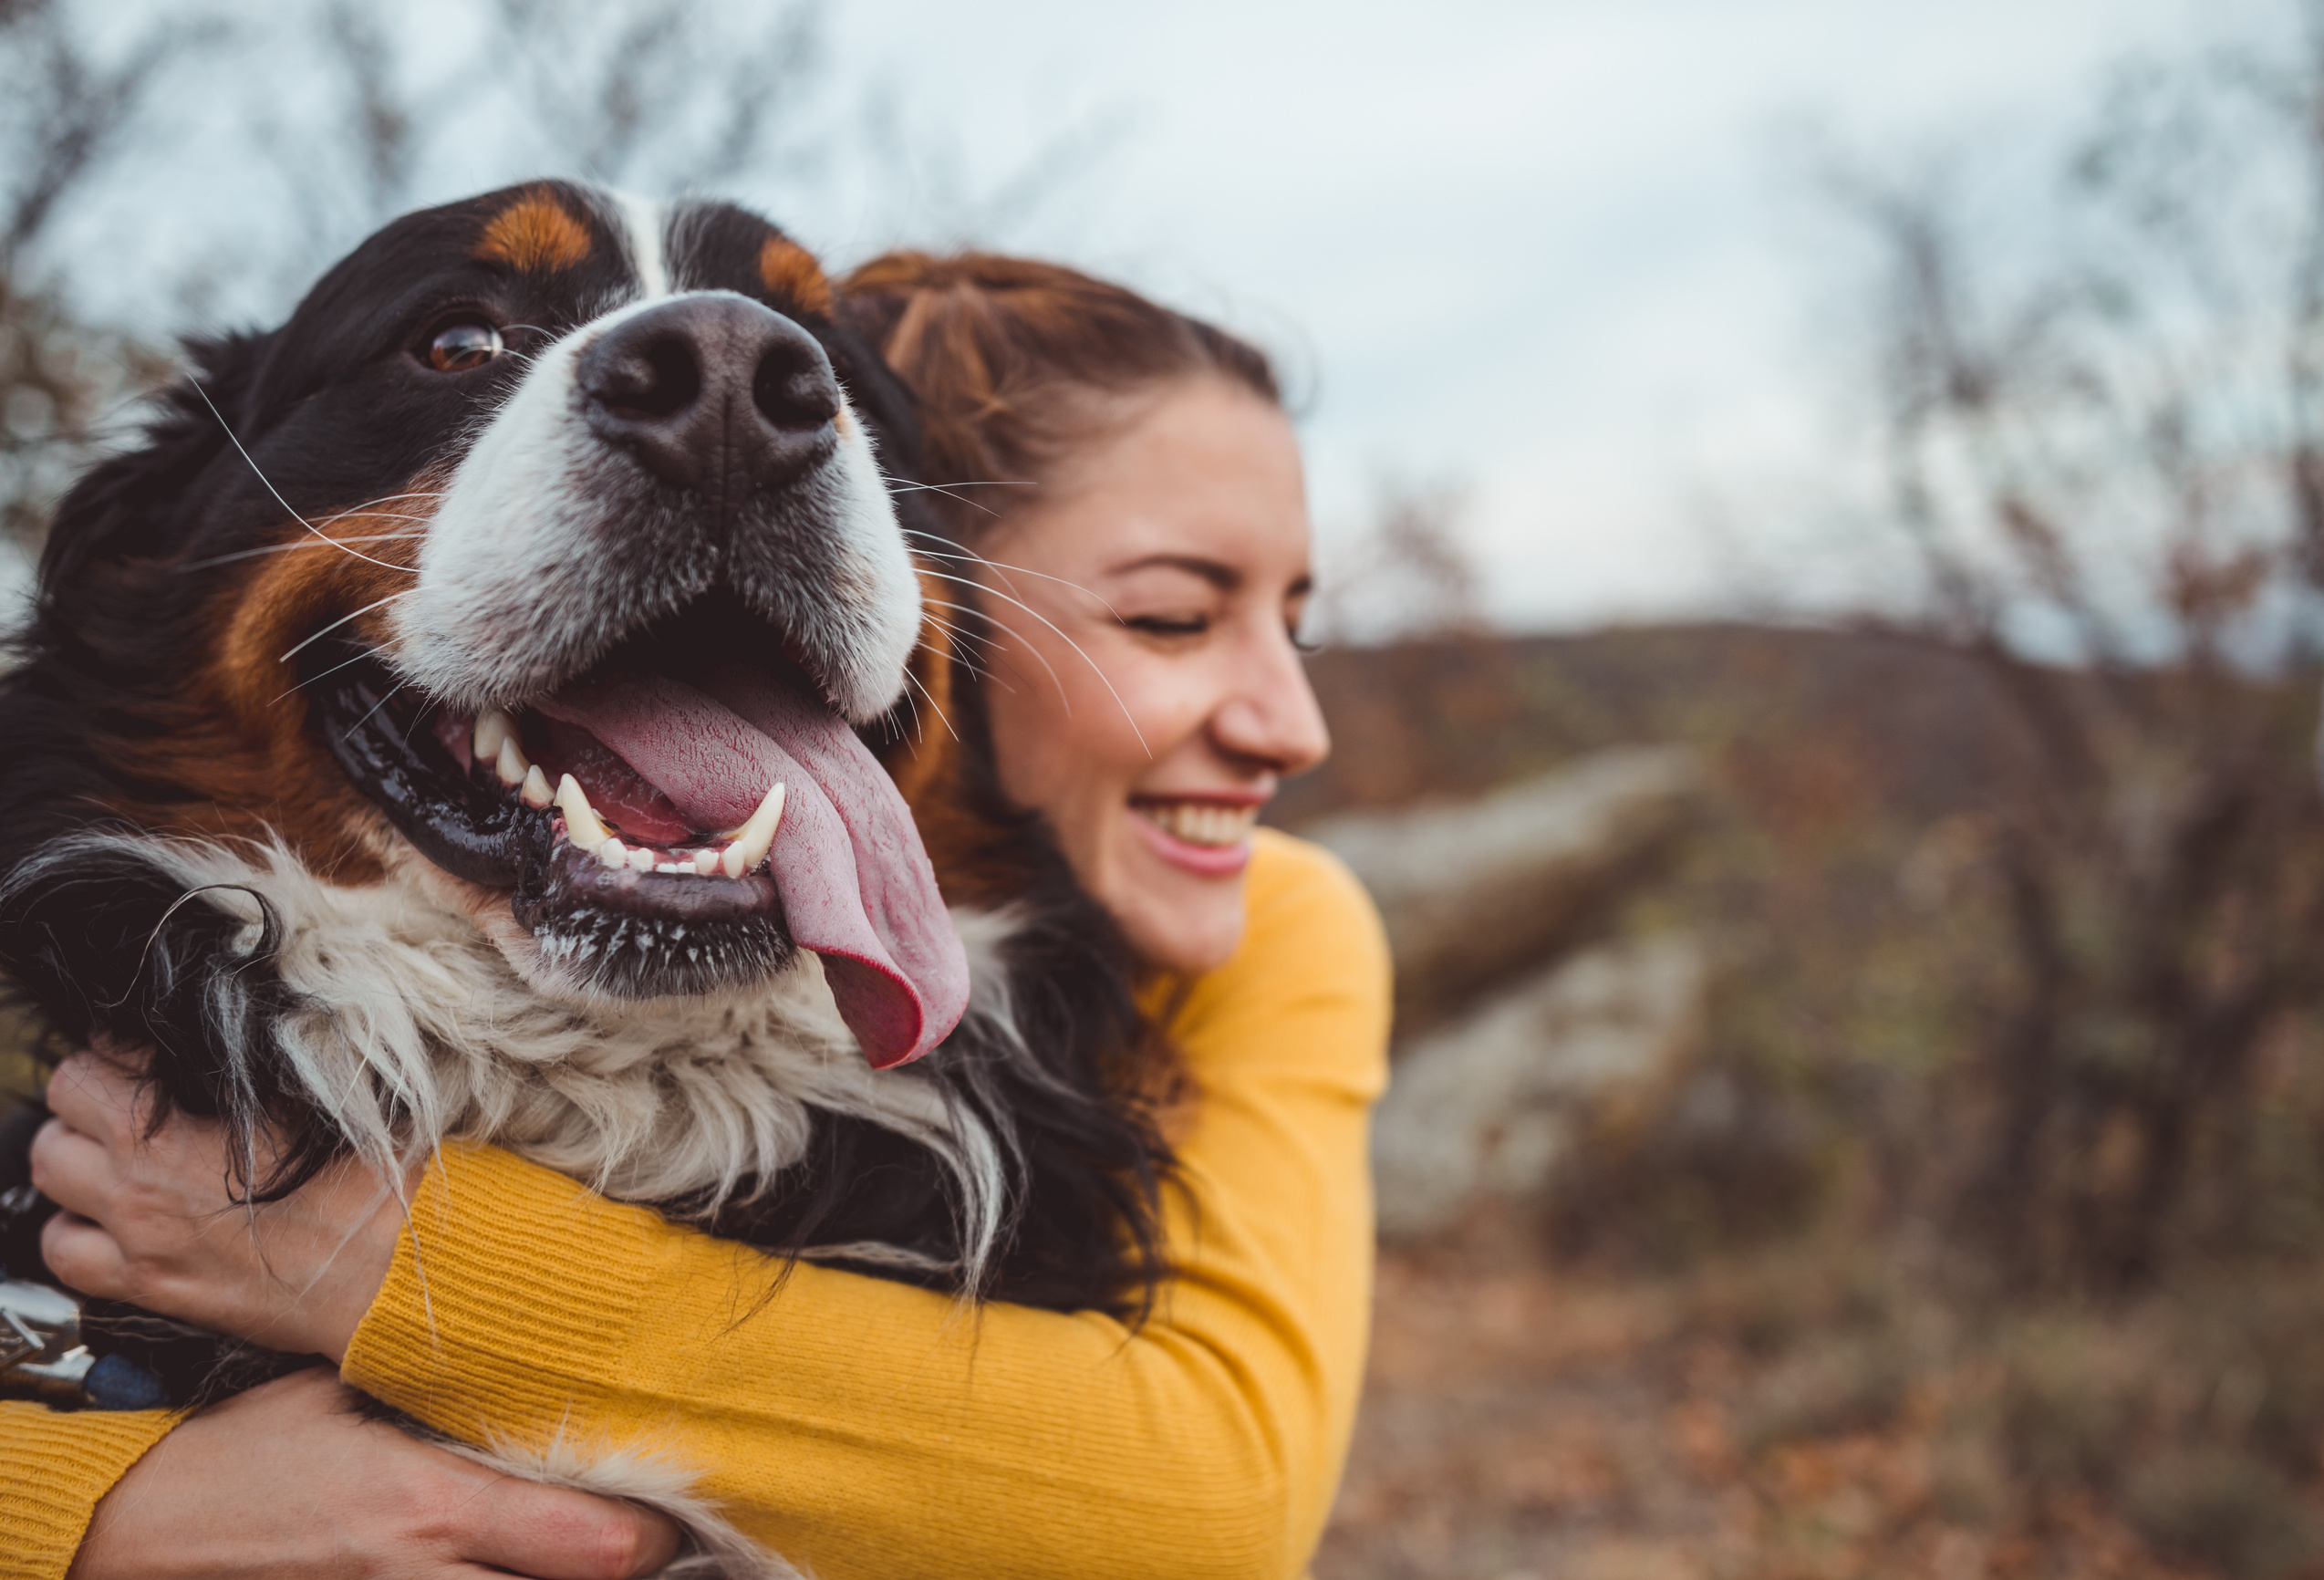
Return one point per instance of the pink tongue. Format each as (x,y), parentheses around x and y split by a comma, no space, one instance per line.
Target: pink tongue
(856,882)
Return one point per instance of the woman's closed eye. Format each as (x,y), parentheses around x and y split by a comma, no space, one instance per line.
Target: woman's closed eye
(1168,626)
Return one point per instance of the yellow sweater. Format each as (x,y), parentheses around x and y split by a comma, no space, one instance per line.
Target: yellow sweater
(865,1428)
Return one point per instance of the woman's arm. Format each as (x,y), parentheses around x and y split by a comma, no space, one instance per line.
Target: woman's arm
(291,1479)
(52,1470)
(867,1428)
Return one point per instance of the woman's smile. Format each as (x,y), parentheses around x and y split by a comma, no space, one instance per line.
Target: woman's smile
(1208,835)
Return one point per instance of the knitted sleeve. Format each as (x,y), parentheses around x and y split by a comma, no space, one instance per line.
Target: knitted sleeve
(864,1428)
(53,1466)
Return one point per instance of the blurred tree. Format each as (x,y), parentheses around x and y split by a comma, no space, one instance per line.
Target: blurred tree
(671,96)
(1441,692)
(396,107)
(1409,573)
(67,110)
(2102,445)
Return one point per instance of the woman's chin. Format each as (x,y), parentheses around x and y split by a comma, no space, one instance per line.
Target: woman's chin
(1178,921)
(1186,945)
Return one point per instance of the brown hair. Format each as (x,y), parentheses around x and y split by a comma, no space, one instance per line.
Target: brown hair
(1006,354)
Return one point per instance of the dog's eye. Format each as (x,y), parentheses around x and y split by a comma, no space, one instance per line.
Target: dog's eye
(464,344)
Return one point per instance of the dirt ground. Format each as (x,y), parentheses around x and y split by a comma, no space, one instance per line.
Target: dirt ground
(1521,1421)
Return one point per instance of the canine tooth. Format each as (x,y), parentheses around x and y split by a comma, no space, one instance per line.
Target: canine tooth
(753,840)
(510,765)
(536,792)
(730,861)
(492,727)
(613,852)
(641,859)
(581,823)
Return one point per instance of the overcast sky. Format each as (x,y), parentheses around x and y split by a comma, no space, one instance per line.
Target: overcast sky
(1555,252)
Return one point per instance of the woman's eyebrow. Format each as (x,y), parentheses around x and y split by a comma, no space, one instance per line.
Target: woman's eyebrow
(1217,573)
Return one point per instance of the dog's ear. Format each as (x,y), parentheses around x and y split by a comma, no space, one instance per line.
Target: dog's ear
(128,507)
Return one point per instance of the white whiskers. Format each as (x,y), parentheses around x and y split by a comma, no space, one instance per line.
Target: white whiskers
(1054,678)
(1127,715)
(343,620)
(972,557)
(277,493)
(914,681)
(949,491)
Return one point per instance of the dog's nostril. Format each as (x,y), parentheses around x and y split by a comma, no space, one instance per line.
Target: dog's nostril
(659,379)
(794,389)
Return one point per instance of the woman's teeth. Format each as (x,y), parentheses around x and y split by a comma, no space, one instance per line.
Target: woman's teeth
(1202,822)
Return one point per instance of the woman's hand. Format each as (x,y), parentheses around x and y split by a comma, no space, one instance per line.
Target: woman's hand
(149,1219)
(287,1480)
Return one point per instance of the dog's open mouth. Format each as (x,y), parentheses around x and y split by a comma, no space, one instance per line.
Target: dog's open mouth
(679,820)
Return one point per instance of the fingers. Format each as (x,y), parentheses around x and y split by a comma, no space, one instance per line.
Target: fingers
(71,1167)
(94,1095)
(73,1171)
(554,1533)
(84,1257)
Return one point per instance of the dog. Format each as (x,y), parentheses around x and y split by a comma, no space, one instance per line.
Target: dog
(501,703)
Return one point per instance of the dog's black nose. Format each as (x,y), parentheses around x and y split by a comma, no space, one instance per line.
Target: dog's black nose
(713,392)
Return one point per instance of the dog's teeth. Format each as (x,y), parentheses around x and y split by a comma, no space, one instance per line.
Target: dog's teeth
(536,792)
(613,852)
(493,728)
(705,862)
(581,823)
(753,840)
(510,765)
(641,859)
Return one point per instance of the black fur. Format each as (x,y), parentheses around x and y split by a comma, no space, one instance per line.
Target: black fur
(105,945)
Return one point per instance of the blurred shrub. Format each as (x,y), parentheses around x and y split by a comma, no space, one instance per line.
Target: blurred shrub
(2226,1510)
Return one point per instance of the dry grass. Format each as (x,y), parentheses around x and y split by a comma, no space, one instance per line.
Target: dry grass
(1813,1409)
(1766,1334)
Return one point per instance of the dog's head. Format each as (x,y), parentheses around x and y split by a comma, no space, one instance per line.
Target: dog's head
(543,558)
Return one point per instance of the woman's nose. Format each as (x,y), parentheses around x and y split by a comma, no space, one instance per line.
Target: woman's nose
(1270,712)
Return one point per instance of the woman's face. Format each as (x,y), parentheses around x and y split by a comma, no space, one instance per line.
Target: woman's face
(1146,691)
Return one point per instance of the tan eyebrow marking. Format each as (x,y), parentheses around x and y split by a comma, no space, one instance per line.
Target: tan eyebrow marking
(535,233)
(790,271)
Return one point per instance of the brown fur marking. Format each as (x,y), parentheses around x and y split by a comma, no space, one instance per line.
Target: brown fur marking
(534,234)
(233,733)
(792,273)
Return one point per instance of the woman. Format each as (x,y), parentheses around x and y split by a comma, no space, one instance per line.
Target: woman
(1140,605)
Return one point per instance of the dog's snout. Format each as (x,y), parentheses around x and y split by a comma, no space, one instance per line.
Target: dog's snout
(712,392)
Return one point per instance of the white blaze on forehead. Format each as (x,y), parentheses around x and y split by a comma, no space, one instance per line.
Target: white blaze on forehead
(643,221)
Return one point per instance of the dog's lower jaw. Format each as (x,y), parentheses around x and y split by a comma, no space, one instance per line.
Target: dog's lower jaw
(546,959)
